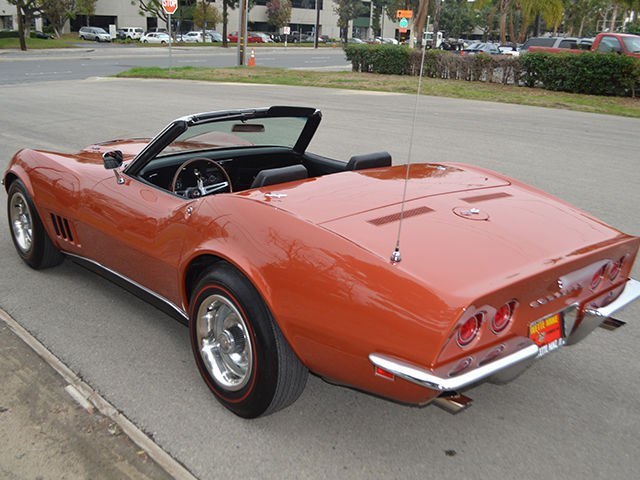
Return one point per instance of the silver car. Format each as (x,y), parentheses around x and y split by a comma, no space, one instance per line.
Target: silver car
(94,33)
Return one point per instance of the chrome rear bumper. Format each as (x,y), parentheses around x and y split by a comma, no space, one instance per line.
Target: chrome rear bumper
(519,354)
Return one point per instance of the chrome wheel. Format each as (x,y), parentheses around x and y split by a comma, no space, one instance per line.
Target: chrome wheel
(224,342)
(21,222)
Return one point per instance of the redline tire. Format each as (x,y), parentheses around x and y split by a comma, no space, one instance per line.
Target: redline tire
(239,350)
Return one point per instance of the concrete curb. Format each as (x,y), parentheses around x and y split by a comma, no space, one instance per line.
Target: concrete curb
(88,398)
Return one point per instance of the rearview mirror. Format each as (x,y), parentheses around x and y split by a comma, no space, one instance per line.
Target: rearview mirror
(247,128)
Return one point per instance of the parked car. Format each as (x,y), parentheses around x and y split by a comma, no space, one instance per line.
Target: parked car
(265,37)
(155,37)
(355,40)
(486,48)
(251,38)
(620,43)
(196,37)
(94,33)
(551,42)
(41,35)
(215,36)
(120,34)
(386,40)
(133,33)
(282,261)
(509,50)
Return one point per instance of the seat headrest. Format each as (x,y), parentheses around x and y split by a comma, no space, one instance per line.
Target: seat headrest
(369,160)
(273,176)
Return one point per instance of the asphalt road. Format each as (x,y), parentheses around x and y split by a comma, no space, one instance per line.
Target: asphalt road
(572,415)
(94,59)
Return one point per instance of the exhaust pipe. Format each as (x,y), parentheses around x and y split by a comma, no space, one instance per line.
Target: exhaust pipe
(612,323)
(453,402)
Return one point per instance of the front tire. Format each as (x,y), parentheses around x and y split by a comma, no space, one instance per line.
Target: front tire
(27,232)
(239,349)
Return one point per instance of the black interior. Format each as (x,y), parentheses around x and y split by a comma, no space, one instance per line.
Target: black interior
(243,164)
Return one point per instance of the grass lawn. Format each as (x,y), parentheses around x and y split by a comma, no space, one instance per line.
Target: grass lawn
(67,41)
(629,107)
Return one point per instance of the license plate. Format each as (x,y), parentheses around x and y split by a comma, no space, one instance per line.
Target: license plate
(547,334)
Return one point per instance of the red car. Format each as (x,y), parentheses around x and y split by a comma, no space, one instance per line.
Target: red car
(251,38)
(282,261)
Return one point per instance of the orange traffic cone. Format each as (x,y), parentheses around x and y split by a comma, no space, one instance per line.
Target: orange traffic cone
(252,59)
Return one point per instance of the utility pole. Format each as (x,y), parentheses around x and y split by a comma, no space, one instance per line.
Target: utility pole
(242,32)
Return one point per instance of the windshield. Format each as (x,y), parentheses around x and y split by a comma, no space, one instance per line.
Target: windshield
(632,44)
(270,131)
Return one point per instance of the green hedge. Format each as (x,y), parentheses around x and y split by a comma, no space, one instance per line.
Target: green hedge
(388,59)
(590,73)
(8,34)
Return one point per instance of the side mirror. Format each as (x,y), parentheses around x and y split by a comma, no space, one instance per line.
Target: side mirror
(112,159)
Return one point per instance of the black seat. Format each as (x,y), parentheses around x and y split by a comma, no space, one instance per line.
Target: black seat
(279,175)
(369,160)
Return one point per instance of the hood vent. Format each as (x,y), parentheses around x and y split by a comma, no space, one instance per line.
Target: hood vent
(395,217)
(489,196)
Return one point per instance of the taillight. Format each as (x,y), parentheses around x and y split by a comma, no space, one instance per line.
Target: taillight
(598,276)
(616,268)
(469,330)
(503,317)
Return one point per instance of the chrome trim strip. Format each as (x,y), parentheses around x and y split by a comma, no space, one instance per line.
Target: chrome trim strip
(630,294)
(172,305)
(426,378)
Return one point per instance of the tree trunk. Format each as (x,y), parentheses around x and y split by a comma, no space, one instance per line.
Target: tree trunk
(504,8)
(421,17)
(436,22)
(225,20)
(614,15)
(23,42)
(584,18)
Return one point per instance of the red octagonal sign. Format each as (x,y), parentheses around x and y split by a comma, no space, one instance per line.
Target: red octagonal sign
(169,6)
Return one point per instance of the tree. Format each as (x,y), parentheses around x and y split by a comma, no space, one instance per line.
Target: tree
(57,12)
(226,5)
(278,13)
(378,14)
(154,7)
(458,18)
(348,10)
(25,10)
(87,8)
(205,15)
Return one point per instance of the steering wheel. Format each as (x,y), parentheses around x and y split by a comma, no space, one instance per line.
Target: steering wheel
(204,185)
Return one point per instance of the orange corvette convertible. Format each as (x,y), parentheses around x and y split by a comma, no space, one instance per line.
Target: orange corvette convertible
(414,283)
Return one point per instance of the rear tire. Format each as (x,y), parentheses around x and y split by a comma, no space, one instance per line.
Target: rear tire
(27,232)
(239,349)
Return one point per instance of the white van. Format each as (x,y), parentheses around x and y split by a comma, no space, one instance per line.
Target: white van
(134,33)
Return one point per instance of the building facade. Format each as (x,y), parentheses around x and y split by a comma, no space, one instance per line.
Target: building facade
(125,13)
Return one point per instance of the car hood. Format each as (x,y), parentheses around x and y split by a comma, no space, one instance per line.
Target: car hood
(129,147)
(463,227)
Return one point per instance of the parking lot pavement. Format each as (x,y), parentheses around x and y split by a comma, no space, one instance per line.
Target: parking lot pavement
(574,414)
(46,434)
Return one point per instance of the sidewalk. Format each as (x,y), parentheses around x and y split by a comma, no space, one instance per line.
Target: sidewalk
(47,435)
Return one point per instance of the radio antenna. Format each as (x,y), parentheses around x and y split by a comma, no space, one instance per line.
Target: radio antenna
(396,257)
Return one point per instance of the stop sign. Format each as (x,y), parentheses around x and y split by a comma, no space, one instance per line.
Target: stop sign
(169,6)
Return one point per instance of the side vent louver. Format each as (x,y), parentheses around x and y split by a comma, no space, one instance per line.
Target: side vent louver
(62,228)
